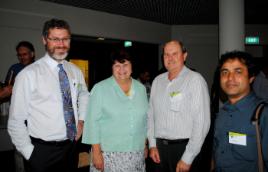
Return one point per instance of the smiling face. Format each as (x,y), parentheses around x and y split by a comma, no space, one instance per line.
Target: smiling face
(235,80)
(174,57)
(122,71)
(57,43)
(25,55)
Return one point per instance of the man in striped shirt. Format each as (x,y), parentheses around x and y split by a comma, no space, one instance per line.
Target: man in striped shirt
(179,115)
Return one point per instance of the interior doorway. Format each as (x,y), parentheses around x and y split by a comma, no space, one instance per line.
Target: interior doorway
(97,52)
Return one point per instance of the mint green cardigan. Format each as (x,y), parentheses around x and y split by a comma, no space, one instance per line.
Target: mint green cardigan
(115,121)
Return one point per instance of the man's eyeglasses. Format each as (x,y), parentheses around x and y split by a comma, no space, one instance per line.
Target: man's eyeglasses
(58,40)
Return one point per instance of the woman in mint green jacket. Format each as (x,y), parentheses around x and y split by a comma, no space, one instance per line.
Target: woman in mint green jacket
(115,125)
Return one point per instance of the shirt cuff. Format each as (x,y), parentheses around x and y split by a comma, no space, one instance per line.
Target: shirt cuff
(27,151)
(187,158)
(81,118)
(152,143)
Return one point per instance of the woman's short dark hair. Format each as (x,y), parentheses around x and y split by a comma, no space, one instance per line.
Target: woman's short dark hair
(121,56)
(243,57)
(55,23)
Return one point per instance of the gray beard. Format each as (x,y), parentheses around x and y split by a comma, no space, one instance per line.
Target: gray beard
(59,57)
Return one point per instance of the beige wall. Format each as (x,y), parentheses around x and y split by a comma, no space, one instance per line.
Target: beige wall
(23,20)
(202,45)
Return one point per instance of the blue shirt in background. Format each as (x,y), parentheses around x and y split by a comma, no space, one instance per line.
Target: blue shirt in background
(12,73)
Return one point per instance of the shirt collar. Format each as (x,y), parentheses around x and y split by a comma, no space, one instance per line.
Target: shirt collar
(262,74)
(53,64)
(241,104)
(119,90)
(182,73)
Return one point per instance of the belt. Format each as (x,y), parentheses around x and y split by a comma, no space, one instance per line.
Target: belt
(51,143)
(170,142)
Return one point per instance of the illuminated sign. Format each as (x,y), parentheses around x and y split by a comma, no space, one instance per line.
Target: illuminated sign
(127,44)
(252,40)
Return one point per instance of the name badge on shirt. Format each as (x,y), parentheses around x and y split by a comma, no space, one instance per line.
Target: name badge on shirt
(237,138)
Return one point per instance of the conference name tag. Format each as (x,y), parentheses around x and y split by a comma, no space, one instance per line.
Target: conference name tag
(237,138)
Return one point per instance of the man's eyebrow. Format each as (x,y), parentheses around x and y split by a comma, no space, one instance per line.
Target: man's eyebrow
(223,69)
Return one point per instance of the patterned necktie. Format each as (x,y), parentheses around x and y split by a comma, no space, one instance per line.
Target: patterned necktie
(67,103)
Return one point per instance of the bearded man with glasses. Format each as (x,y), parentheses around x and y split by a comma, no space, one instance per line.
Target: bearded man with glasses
(51,94)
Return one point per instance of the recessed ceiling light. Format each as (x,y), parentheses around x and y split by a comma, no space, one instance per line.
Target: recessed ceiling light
(101,38)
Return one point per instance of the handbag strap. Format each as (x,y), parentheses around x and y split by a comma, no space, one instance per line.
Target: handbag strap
(256,122)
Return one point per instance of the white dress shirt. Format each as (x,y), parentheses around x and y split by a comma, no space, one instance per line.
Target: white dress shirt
(179,109)
(36,97)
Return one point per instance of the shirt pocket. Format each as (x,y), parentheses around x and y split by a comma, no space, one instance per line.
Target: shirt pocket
(176,102)
(74,85)
(248,152)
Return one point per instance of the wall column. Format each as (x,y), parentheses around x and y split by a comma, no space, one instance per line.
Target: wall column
(231,25)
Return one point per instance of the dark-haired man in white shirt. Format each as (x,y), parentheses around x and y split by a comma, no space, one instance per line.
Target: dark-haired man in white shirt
(39,99)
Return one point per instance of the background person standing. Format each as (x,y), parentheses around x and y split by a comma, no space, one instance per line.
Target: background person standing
(26,55)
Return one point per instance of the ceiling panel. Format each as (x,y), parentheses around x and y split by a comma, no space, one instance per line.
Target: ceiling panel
(172,12)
